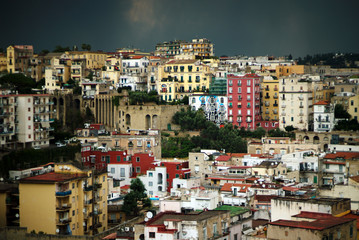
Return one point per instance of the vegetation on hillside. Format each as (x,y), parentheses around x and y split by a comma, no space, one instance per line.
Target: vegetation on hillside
(19,82)
(334,60)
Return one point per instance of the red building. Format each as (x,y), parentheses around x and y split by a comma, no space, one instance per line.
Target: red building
(176,170)
(141,162)
(243,93)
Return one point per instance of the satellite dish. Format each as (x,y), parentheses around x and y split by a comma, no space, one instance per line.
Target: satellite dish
(149,215)
(146,219)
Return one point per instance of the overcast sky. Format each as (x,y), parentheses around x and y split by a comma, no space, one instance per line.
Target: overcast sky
(252,27)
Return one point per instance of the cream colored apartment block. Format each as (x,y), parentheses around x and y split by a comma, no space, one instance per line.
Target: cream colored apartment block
(296,102)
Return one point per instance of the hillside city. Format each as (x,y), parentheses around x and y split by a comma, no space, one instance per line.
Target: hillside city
(178,143)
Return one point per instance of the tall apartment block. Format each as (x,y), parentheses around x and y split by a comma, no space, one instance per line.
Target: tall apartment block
(25,120)
(67,201)
(18,58)
(244,100)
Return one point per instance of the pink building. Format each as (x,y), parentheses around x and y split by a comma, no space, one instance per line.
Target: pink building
(243,93)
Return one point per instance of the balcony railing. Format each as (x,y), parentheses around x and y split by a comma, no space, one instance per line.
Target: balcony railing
(64,207)
(63,193)
(64,221)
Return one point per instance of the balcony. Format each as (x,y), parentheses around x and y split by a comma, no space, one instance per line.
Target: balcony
(63,221)
(301,114)
(97,185)
(275,97)
(63,193)
(88,188)
(267,97)
(283,105)
(98,199)
(96,225)
(249,120)
(88,202)
(63,207)
(275,105)
(301,106)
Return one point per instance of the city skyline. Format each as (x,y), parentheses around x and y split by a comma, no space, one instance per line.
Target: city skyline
(235,27)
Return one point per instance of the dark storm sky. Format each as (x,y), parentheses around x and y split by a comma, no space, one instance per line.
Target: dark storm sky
(252,27)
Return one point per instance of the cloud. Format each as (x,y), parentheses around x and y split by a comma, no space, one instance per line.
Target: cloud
(144,12)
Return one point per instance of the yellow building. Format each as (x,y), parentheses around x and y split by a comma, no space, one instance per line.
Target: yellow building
(199,47)
(18,58)
(287,70)
(93,60)
(353,107)
(270,101)
(179,78)
(3,62)
(66,201)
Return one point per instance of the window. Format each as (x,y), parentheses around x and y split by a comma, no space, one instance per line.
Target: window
(248,89)
(73,212)
(137,159)
(107,159)
(152,235)
(29,109)
(230,90)
(118,158)
(177,175)
(122,172)
(138,169)
(113,170)
(73,185)
(150,174)
(239,90)
(29,118)
(150,184)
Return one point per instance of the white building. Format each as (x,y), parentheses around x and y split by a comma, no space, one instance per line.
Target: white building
(155,182)
(134,73)
(214,107)
(296,102)
(293,160)
(236,194)
(120,171)
(34,115)
(323,117)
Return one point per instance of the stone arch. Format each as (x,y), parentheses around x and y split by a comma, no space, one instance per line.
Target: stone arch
(326,139)
(306,138)
(147,121)
(128,119)
(55,101)
(61,101)
(325,147)
(316,139)
(154,121)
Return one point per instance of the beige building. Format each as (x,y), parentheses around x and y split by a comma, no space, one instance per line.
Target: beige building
(66,201)
(198,47)
(313,225)
(269,168)
(18,58)
(25,120)
(296,102)
(287,70)
(115,112)
(353,106)
(3,62)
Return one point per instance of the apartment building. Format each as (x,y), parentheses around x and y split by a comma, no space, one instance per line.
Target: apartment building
(270,99)
(25,120)
(179,78)
(155,182)
(287,70)
(168,49)
(323,117)
(353,106)
(67,201)
(3,62)
(34,114)
(213,106)
(244,100)
(198,47)
(57,75)
(134,73)
(213,224)
(18,58)
(296,103)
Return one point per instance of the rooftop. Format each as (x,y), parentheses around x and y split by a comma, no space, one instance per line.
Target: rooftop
(234,210)
(52,177)
(344,155)
(325,201)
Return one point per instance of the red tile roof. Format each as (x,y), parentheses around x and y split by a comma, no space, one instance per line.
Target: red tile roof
(223,158)
(337,163)
(323,221)
(53,177)
(345,155)
(355,178)
(264,198)
(291,189)
(227,187)
(322,103)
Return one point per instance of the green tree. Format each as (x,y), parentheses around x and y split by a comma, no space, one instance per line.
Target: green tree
(86,47)
(135,198)
(18,82)
(340,112)
(59,48)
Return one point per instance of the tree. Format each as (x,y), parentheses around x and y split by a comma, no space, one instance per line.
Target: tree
(59,48)
(135,198)
(340,112)
(18,82)
(86,47)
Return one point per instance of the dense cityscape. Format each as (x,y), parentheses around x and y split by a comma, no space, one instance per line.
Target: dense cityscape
(177,143)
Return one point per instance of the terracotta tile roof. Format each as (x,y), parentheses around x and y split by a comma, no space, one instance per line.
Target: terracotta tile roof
(355,178)
(264,198)
(323,221)
(291,189)
(345,155)
(227,187)
(53,177)
(322,103)
(337,163)
(223,158)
